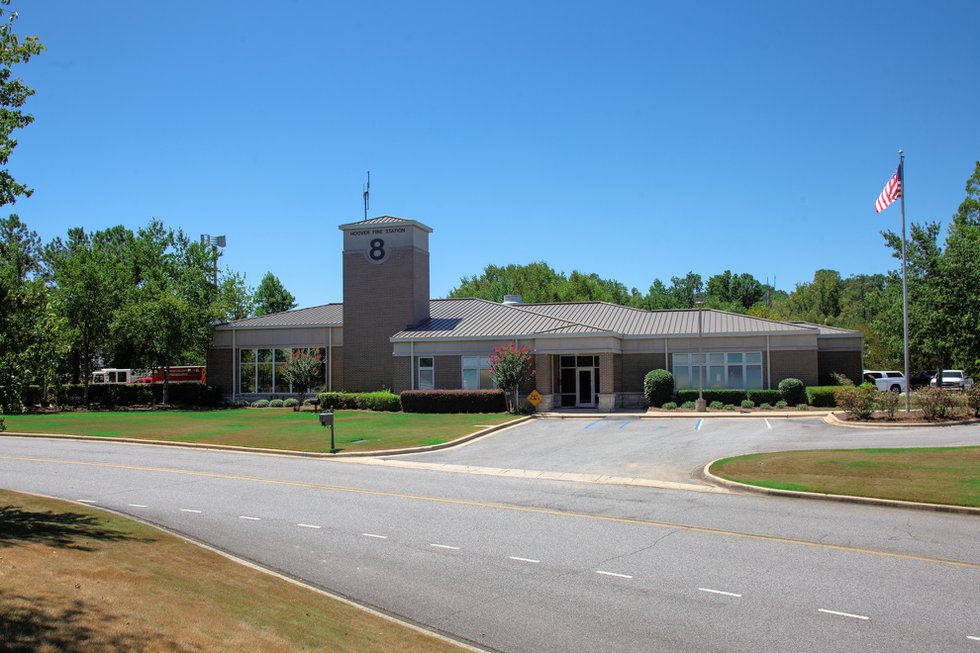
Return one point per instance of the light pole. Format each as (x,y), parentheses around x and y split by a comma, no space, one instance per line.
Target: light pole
(215,242)
(699,405)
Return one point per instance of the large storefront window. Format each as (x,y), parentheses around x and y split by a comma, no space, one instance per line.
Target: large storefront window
(260,370)
(732,370)
(476,373)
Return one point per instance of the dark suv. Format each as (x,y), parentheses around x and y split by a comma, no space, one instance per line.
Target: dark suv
(922,379)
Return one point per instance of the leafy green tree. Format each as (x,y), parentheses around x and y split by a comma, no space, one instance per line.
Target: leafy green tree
(13,94)
(740,291)
(511,367)
(272,297)
(683,290)
(236,300)
(304,370)
(535,282)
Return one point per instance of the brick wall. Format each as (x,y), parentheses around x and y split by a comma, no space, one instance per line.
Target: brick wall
(847,363)
(798,364)
(337,368)
(607,375)
(449,372)
(221,370)
(401,374)
(636,366)
(543,380)
(380,300)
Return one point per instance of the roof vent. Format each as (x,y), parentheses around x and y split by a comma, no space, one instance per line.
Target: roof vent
(510,300)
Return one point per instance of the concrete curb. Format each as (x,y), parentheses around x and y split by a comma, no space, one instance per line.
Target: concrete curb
(843,498)
(274,452)
(687,415)
(831,418)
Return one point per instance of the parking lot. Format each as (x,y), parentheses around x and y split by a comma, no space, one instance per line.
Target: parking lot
(672,449)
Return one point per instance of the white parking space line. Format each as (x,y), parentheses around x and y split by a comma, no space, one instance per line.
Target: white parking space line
(844,614)
(445,546)
(308,526)
(768,425)
(137,505)
(610,573)
(380,537)
(711,591)
(524,559)
(196,512)
(85,500)
(249,518)
(975,639)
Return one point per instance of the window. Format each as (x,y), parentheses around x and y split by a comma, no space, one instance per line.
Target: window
(732,370)
(427,373)
(260,370)
(476,373)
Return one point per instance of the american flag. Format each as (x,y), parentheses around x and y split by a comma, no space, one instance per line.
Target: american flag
(891,192)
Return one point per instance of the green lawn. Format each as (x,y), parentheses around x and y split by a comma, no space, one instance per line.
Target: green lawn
(268,428)
(947,475)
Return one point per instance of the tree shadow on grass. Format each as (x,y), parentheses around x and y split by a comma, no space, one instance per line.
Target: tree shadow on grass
(31,623)
(67,530)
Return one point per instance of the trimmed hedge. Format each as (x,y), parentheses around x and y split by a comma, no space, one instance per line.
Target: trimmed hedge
(822,396)
(182,394)
(793,391)
(658,387)
(764,396)
(724,396)
(453,401)
(379,401)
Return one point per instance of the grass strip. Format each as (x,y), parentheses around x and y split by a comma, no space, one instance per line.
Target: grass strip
(944,475)
(267,428)
(77,579)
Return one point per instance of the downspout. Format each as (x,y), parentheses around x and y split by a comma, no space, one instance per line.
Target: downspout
(412,363)
(330,359)
(235,358)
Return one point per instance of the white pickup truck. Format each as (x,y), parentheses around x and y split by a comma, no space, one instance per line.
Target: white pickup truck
(886,380)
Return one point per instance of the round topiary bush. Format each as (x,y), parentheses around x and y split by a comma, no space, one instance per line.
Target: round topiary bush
(717,405)
(687,405)
(658,387)
(670,405)
(765,406)
(261,403)
(792,391)
(781,404)
(729,406)
(290,403)
(276,403)
(748,403)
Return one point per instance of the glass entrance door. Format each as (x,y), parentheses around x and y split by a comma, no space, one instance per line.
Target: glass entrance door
(584,391)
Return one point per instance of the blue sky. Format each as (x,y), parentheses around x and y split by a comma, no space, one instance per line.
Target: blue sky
(635,140)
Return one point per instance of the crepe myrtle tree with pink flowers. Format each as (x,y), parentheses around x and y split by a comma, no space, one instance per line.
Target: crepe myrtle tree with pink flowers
(511,367)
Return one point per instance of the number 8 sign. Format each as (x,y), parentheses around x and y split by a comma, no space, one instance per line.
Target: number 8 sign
(377,253)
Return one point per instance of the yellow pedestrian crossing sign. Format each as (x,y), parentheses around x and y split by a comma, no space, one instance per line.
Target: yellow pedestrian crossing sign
(534,398)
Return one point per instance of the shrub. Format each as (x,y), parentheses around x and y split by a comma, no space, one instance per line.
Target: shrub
(716,405)
(840,379)
(729,407)
(973,400)
(765,406)
(748,403)
(292,402)
(888,402)
(378,401)
(670,405)
(724,396)
(764,396)
(241,403)
(781,404)
(687,405)
(935,403)
(261,403)
(184,394)
(859,402)
(802,407)
(453,401)
(310,402)
(511,367)
(277,403)
(658,387)
(792,391)
(822,396)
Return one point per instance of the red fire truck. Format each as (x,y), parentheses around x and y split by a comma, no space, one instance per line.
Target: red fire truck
(178,374)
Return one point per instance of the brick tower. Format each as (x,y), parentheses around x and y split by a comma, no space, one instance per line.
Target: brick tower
(386,289)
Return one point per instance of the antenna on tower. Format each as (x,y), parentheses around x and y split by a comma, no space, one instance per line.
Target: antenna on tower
(367,195)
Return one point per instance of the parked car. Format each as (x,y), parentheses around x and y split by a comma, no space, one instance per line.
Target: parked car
(886,380)
(921,379)
(954,379)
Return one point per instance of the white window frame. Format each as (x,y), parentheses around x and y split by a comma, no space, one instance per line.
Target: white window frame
(431,368)
(477,363)
(690,361)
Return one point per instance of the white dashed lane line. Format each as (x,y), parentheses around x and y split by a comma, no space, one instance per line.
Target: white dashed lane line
(308,526)
(196,512)
(711,591)
(445,546)
(249,518)
(610,573)
(524,559)
(380,537)
(137,505)
(844,614)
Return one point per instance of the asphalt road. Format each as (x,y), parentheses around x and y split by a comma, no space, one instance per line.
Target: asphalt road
(530,565)
(673,449)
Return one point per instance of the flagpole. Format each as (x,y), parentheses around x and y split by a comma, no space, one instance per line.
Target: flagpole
(905,287)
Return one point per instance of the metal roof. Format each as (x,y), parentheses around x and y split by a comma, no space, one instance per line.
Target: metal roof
(385,220)
(315,316)
(681,322)
(826,330)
